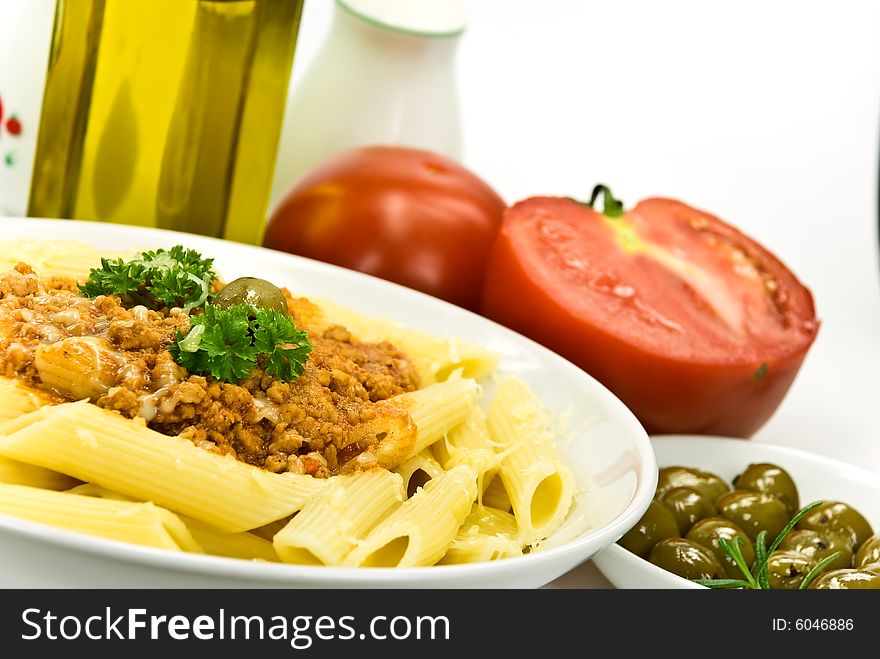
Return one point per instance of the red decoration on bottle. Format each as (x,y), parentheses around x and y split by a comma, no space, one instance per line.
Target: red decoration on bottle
(13,126)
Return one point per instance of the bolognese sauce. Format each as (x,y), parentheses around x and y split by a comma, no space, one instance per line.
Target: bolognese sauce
(330,419)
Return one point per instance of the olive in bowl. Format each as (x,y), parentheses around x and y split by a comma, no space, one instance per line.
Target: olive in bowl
(838,518)
(754,512)
(710,531)
(847,580)
(688,506)
(708,484)
(771,479)
(819,546)
(787,569)
(686,559)
(869,552)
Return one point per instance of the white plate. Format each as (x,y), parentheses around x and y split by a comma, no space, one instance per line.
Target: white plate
(606,448)
(816,477)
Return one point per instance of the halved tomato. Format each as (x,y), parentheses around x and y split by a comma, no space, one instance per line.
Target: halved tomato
(695,326)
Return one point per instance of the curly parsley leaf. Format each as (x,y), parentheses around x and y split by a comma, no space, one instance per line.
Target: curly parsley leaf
(228,343)
(286,347)
(176,277)
(114,277)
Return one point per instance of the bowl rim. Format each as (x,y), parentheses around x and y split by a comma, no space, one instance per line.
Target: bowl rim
(581,548)
(614,552)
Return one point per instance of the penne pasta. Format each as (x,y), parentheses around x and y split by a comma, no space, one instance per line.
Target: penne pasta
(94,445)
(332,523)
(16,399)
(421,529)
(244,545)
(540,487)
(209,539)
(418,470)
(469,443)
(438,408)
(495,493)
(138,523)
(19,473)
(268,531)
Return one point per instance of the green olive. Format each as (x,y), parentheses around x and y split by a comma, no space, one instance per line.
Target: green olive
(255,292)
(871,567)
(786,569)
(847,579)
(687,506)
(708,533)
(819,546)
(655,525)
(754,512)
(707,484)
(686,559)
(769,478)
(839,518)
(869,552)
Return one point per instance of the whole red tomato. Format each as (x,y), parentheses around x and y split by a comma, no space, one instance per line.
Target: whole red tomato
(693,325)
(406,215)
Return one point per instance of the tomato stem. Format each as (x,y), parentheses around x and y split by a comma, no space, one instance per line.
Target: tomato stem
(611,206)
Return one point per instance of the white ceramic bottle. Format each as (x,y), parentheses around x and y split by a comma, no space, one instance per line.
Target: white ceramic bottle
(384,75)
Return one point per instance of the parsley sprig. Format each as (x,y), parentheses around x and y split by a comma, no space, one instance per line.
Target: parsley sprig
(176,277)
(757,577)
(228,343)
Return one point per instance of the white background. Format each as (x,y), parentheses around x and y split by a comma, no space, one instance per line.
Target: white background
(764,113)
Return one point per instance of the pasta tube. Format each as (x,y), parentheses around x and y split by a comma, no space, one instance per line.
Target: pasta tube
(420,531)
(16,400)
(540,487)
(92,444)
(468,443)
(244,545)
(495,495)
(19,473)
(418,470)
(139,523)
(329,526)
(437,409)
(209,539)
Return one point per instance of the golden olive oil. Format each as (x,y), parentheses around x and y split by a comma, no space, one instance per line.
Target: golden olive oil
(165,113)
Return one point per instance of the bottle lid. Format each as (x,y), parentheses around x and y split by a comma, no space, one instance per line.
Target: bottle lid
(427,18)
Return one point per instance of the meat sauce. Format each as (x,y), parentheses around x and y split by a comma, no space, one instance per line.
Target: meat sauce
(334,418)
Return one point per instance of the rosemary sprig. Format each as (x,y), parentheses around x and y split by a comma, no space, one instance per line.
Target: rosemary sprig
(757,577)
(818,569)
(761,558)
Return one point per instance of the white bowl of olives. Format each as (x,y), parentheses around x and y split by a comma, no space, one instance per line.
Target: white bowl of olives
(734,514)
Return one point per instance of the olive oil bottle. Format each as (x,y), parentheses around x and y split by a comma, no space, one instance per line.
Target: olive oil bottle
(165,113)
